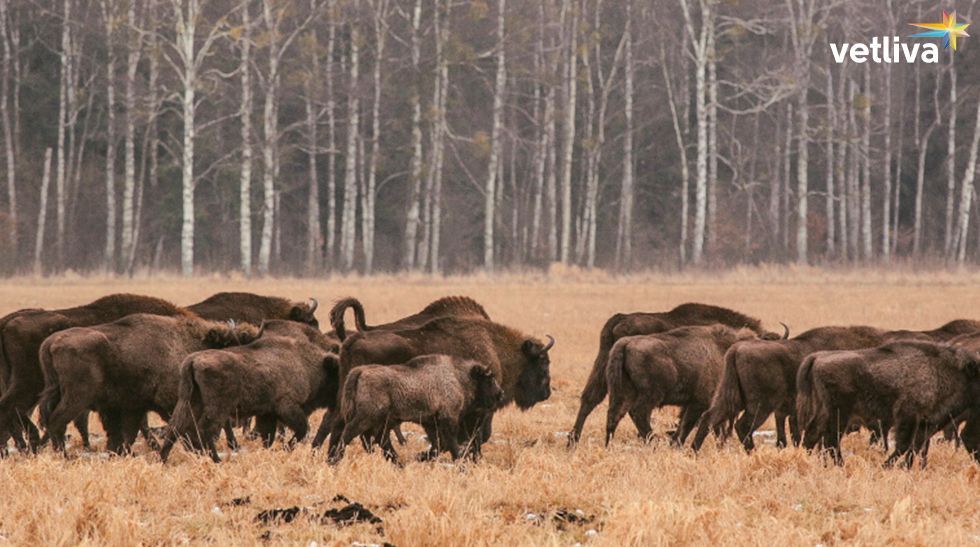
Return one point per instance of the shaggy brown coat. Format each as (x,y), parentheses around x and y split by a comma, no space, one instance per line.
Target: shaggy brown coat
(21,334)
(284,375)
(457,306)
(918,386)
(634,324)
(759,379)
(124,369)
(243,307)
(520,363)
(679,367)
(434,391)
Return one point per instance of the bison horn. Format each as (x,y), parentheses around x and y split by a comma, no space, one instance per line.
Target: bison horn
(785,330)
(313,304)
(551,343)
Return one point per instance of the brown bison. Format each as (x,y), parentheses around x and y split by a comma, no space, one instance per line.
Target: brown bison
(22,332)
(124,369)
(285,374)
(520,363)
(945,333)
(759,379)
(435,391)
(456,306)
(679,367)
(633,324)
(918,386)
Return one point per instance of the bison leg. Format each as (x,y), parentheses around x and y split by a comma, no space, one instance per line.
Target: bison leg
(337,428)
(352,430)
(744,430)
(904,438)
(591,397)
(295,419)
(689,419)
(266,428)
(230,435)
(619,405)
(794,428)
(81,424)
(780,430)
(387,448)
(112,424)
(67,410)
(130,426)
(326,426)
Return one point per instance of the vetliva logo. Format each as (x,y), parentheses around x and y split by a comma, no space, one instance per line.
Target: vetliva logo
(890,49)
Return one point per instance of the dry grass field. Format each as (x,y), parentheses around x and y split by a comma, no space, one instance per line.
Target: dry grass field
(632,493)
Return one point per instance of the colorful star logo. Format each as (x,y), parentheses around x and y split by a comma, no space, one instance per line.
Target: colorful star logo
(948,30)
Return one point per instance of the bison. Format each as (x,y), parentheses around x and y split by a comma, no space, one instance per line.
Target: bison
(435,391)
(285,374)
(124,369)
(679,367)
(759,379)
(457,306)
(919,386)
(633,324)
(519,363)
(22,332)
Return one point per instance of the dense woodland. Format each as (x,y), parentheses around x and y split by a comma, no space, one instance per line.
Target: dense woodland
(308,136)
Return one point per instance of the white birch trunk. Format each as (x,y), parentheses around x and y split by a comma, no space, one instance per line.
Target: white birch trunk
(969,175)
(65,116)
(831,165)
(571,82)
(108,15)
(129,182)
(245,174)
(624,239)
(8,134)
(950,161)
(495,142)
(270,133)
(349,214)
(42,214)
(314,235)
(410,243)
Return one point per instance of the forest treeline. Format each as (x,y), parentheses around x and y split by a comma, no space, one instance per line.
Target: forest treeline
(308,136)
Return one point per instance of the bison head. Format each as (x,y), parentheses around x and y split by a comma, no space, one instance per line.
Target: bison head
(534,382)
(305,313)
(487,394)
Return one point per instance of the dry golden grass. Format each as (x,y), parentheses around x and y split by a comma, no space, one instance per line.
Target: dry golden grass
(637,494)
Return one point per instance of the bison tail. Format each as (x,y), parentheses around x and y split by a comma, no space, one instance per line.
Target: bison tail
(729,398)
(806,396)
(617,379)
(337,316)
(595,387)
(182,420)
(51,396)
(348,399)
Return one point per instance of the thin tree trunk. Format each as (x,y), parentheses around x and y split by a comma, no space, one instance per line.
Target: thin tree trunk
(135,44)
(712,199)
(571,82)
(314,234)
(245,174)
(368,200)
(331,232)
(270,133)
(963,224)
(349,214)
(887,169)
(442,20)
(495,142)
(682,150)
(8,136)
(65,117)
(187,17)
(624,239)
(108,14)
(42,214)
(831,165)
(866,229)
(840,170)
(802,167)
(700,46)
(950,160)
(410,243)
(853,185)
(541,121)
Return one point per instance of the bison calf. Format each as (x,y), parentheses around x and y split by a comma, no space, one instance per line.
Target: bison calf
(434,391)
(284,375)
(917,386)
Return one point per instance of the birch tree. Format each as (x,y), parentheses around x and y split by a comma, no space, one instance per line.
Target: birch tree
(349,213)
(134,44)
(42,215)
(381,9)
(699,45)
(409,249)
(245,117)
(109,20)
(963,222)
(571,83)
(8,133)
(624,235)
(495,140)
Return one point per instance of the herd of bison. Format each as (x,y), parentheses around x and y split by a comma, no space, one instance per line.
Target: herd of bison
(263,364)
